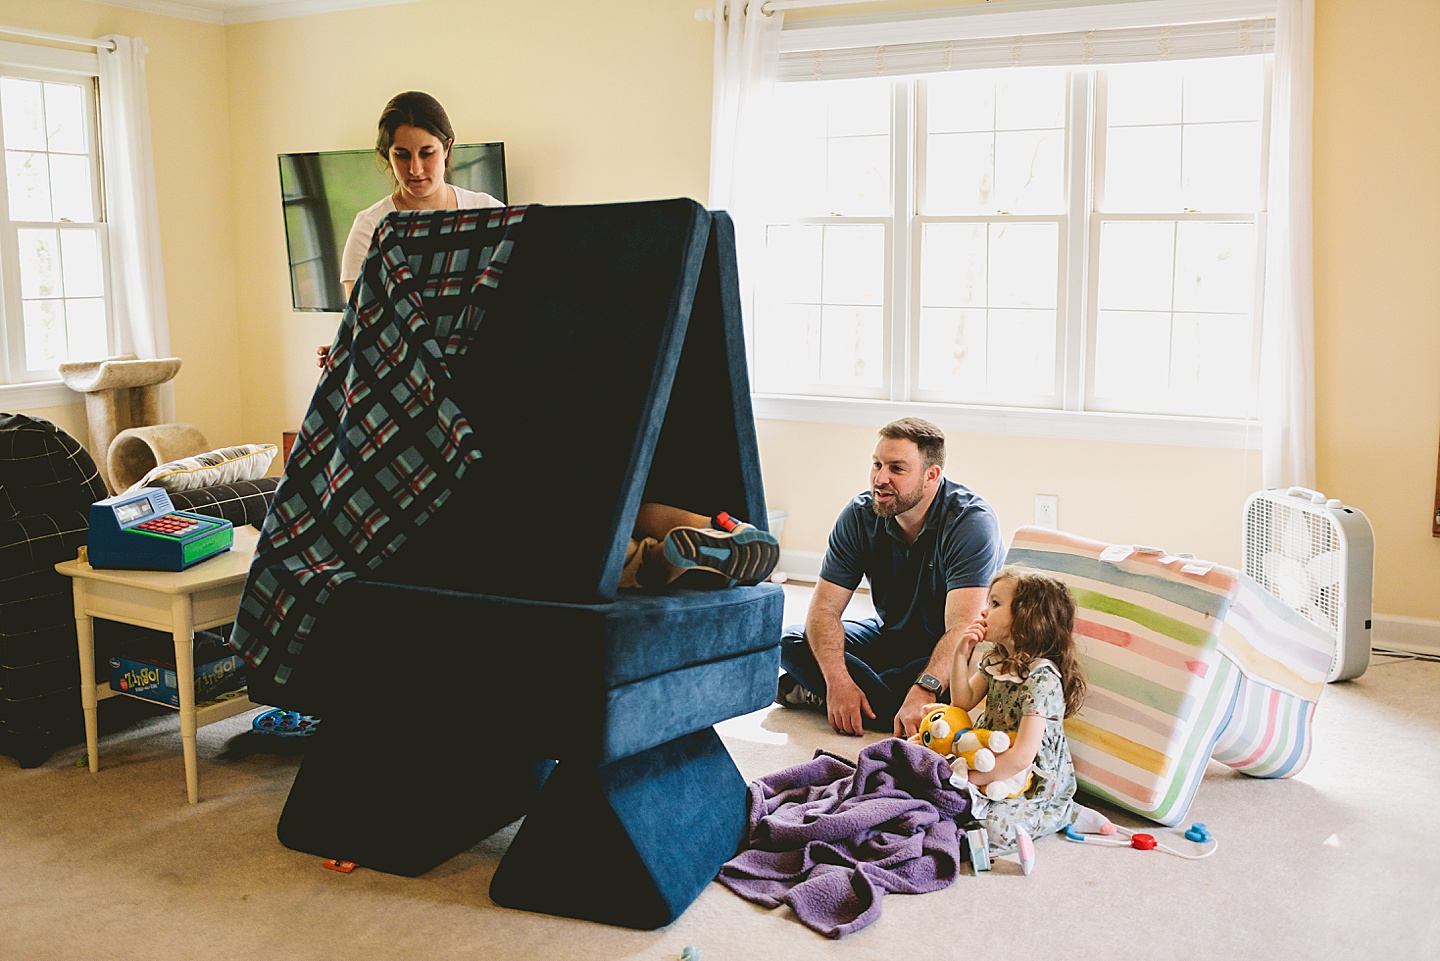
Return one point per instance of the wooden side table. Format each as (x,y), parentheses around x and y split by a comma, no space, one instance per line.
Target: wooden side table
(178,602)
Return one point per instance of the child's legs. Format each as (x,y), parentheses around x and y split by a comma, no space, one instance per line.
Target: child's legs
(1039,819)
(637,554)
(657,520)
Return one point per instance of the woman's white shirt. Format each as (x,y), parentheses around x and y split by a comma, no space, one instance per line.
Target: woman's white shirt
(357,245)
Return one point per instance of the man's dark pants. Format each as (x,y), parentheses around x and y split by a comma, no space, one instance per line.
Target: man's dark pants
(883,664)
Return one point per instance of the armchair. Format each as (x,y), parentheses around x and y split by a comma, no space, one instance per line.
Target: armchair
(47,484)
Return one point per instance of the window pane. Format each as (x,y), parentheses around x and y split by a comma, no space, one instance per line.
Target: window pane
(859,176)
(1030,99)
(852,347)
(1221,164)
(953,265)
(1224,89)
(1022,351)
(799,182)
(828,149)
(23,115)
(28,175)
(1137,264)
(1215,267)
(39,263)
(1211,363)
(858,108)
(80,260)
(1142,169)
(64,117)
(1030,171)
(995,141)
(1147,93)
(960,174)
(1023,265)
(1132,355)
(960,102)
(85,323)
(70,188)
(787,347)
(854,265)
(792,259)
(952,351)
(44,334)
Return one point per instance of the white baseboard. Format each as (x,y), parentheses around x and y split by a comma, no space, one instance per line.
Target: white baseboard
(1418,635)
(800,565)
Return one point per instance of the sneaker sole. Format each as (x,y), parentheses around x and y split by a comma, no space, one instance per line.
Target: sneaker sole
(747,556)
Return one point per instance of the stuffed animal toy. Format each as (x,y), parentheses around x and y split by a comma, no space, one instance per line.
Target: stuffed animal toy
(946,730)
(940,726)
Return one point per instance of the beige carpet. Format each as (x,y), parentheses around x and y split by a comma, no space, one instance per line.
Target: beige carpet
(1339,862)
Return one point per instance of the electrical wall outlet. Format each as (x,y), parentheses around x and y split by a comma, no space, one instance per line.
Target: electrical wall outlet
(1047,511)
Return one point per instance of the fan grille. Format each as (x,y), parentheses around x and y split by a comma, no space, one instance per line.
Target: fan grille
(1290,551)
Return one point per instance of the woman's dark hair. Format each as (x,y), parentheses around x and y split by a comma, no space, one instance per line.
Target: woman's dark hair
(418,110)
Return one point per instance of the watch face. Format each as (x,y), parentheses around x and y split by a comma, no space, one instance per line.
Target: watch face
(929,682)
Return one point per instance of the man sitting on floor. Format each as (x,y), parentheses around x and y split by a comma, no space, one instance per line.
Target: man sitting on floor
(929,547)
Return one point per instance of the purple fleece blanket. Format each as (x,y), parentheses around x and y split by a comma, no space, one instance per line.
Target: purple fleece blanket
(831,838)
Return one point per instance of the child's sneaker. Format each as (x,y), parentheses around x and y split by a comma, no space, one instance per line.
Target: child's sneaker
(741,552)
(791,693)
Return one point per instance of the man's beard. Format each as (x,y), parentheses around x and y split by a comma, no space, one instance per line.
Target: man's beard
(897,505)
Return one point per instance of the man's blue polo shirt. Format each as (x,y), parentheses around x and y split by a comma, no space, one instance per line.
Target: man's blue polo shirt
(959,546)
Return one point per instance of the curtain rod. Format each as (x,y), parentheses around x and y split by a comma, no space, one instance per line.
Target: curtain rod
(58,38)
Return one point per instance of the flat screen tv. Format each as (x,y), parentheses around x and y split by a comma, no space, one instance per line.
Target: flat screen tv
(322,193)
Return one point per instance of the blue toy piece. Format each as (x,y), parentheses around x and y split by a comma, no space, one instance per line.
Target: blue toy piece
(282,723)
(1198,833)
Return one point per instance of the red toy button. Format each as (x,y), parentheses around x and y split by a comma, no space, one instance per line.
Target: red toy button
(1142,842)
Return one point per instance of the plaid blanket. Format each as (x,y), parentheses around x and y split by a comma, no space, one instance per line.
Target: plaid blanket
(384,443)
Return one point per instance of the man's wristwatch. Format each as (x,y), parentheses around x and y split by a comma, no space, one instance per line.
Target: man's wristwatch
(930,683)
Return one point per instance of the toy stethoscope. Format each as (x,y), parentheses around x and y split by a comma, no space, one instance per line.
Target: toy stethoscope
(1198,833)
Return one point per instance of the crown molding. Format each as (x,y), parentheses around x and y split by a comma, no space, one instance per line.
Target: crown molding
(245,13)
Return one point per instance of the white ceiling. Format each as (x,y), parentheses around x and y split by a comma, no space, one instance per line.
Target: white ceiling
(244,11)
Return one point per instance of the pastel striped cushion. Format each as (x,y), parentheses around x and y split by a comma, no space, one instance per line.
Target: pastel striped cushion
(1181,665)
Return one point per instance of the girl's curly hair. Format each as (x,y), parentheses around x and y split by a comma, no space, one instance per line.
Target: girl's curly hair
(1042,624)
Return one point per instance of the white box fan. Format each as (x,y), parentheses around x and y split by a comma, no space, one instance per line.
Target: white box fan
(1318,556)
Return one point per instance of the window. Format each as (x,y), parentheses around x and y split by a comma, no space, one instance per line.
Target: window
(54,255)
(1051,237)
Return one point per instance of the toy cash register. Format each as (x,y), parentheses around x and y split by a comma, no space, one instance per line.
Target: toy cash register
(142,531)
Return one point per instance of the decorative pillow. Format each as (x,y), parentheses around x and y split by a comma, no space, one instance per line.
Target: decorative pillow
(224,466)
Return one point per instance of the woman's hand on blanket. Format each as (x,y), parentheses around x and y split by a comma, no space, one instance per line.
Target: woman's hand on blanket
(845,702)
(322,354)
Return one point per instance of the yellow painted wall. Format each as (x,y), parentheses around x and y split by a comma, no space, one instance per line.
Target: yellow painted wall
(611,101)
(190,127)
(1377,281)
(1183,499)
(595,102)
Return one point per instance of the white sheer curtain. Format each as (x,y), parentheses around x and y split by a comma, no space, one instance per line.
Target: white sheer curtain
(747,49)
(136,269)
(1287,391)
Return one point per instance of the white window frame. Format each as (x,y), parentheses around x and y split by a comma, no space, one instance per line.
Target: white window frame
(1074,419)
(46,63)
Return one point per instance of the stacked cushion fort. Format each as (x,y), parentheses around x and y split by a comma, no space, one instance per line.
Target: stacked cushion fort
(1184,661)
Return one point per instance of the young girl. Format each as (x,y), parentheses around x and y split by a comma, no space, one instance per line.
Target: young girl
(1027,671)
